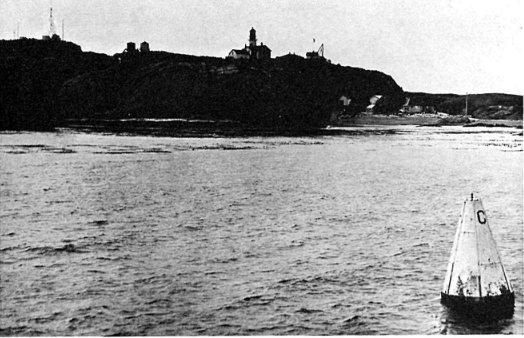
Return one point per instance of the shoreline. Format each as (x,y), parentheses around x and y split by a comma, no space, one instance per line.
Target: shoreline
(423,121)
(226,129)
(496,123)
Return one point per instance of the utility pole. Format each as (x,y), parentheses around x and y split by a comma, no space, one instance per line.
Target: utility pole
(51,23)
(466,103)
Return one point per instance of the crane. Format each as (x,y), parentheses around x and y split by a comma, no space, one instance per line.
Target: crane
(316,55)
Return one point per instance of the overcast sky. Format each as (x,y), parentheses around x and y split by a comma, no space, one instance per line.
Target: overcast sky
(434,46)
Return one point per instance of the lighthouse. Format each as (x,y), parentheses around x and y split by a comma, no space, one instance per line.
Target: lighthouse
(252,37)
(476,281)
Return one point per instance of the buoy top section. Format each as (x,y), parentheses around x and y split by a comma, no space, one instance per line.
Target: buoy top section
(475,268)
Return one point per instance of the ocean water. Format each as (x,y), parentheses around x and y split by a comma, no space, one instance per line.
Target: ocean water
(104,234)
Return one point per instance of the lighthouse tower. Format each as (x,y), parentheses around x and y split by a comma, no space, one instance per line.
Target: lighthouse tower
(252,37)
(476,281)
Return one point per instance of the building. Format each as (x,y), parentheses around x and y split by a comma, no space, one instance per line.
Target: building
(144,47)
(344,100)
(260,52)
(316,55)
(412,110)
(53,37)
(406,104)
(416,109)
(373,101)
(251,51)
(131,47)
(238,54)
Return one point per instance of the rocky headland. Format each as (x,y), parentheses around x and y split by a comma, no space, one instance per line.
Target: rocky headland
(54,83)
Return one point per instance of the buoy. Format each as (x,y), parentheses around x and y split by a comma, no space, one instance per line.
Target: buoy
(476,281)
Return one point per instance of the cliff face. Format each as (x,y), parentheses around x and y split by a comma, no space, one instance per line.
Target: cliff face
(49,81)
(287,92)
(32,73)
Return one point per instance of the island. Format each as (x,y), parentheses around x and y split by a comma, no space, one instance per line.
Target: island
(52,83)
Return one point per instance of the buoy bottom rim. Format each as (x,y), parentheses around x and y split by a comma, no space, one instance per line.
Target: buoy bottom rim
(502,306)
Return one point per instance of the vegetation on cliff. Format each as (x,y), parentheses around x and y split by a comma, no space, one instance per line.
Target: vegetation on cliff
(481,106)
(286,93)
(33,72)
(49,81)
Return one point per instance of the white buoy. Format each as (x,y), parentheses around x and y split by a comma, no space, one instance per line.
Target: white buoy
(476,281)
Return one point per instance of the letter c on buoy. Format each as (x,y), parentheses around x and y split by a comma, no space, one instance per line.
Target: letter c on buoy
(481,216)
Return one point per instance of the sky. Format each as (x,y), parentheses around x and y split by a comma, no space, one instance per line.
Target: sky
(432,46)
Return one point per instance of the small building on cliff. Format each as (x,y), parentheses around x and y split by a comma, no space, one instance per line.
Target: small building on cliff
(144,47)
(239,54)
(344,100)
(316,54)
(373,101)
(253,51)
(131,48)
(408,108)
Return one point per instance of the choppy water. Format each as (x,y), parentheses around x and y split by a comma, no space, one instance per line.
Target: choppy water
(106,235)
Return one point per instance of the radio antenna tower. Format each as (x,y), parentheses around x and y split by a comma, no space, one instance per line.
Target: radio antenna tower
(52,30)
